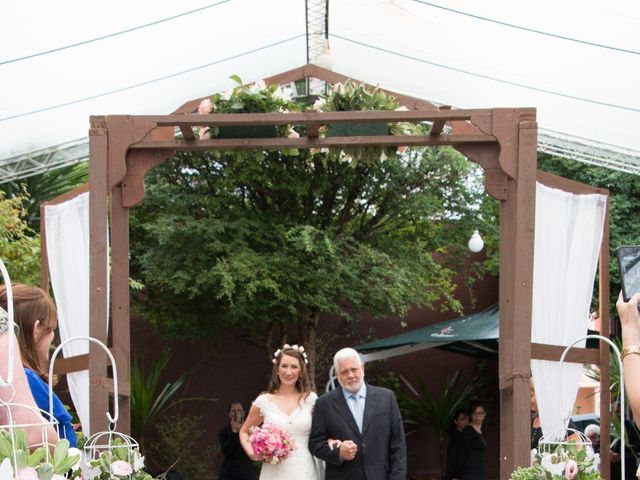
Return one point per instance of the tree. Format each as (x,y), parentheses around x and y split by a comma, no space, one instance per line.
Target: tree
(230,240)
(19,245)
(39,188)
(271,240)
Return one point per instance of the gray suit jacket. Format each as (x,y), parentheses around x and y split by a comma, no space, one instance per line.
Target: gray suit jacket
(381,445)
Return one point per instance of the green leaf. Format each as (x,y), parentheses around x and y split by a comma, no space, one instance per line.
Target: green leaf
(60,452)
(45,471)
(236,79)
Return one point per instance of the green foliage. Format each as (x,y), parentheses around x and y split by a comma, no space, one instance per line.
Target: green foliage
(60,462)
(179,446)
(551,465)
(226,241)
(147,402)
(19,244)
(39,188)
(423,408)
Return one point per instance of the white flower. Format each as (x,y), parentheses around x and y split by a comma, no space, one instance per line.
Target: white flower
(554,468)
(339,88)
(121,468)
(58,477)
(6,470)
(402,108)
(283,92)
(89,472)
(319,104)
(258,86)
(73,451)
(138,461)
(383,157)
(293,134)
(226,95)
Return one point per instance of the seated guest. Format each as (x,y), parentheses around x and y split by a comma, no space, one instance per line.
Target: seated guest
(35,315)
(19,393)
(592,432)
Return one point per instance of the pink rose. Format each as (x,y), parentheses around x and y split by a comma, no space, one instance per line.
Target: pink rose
(401,150)
(121,468)
(293,134)
(570,469)
(205,107)
(27,473)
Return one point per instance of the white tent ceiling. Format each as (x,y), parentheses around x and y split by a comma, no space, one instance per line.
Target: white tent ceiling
(576,61)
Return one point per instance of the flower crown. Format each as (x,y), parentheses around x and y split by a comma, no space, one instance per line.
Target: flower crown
(297,348)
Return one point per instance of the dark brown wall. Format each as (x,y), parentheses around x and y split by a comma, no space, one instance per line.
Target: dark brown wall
(232,368)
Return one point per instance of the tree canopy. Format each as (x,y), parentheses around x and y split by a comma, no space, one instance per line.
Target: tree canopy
(261,239)
(19,245)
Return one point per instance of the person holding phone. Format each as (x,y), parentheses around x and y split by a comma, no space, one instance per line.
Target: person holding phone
(630,323)
(236,465)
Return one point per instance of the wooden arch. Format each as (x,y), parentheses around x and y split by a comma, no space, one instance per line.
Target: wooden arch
(503,141)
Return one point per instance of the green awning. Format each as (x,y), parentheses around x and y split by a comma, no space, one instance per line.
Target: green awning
(476,334)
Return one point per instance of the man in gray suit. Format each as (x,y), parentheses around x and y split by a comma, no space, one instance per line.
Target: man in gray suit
(357,429)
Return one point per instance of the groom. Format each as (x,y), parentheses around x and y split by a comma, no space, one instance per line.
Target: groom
(366,422)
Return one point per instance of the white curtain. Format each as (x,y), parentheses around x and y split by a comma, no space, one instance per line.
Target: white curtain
(567,243)
(67,235)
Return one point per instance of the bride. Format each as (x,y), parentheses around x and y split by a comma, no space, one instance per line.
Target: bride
(287,404)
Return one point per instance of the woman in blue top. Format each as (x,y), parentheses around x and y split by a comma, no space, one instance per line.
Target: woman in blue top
(35,315)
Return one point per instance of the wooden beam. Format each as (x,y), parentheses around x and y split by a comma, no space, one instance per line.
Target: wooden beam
(296,118)
(305,142)
(438,125)
(575,355)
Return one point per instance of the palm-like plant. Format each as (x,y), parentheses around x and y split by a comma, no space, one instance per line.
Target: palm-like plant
(422,407)
(147,401)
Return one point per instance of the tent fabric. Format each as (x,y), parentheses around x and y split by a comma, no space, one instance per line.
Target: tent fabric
(568,236)
(475,334)
(576,62)
(67,237)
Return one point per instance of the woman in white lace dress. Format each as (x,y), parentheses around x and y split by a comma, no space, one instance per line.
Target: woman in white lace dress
(288,404)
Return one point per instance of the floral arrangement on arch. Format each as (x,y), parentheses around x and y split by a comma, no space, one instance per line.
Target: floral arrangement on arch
(19,462)
(350,96)
(566,461)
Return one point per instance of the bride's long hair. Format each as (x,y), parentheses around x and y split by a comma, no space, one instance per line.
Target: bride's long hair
(303,385)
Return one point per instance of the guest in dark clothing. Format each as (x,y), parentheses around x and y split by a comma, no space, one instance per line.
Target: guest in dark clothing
(470,459)
(460,420)
(236,464)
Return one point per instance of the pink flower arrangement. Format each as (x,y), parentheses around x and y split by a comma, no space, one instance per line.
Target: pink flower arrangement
(570,469)
(121,468)
(270,443)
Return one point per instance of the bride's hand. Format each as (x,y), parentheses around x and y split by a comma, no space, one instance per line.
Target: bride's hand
(334,443)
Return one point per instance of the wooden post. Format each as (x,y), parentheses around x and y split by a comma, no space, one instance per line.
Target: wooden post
(517,218)
(120,303)
(98,279)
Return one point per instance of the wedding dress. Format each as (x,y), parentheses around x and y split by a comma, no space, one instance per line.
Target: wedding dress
(301,465)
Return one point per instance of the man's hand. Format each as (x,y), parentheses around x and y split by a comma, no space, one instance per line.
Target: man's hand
(348,450)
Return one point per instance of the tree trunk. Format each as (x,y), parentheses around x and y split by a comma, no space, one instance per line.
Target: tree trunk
(310,346)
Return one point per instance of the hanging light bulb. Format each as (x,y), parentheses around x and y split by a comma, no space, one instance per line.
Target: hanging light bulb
(324,60)
(475,242)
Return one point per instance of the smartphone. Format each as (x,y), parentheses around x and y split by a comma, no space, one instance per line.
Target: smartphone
(629,264)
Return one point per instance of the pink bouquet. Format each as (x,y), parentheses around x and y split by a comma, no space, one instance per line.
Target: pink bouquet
(272,444)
